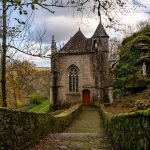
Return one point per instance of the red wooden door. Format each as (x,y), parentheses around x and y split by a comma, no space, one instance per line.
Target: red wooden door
(86,98)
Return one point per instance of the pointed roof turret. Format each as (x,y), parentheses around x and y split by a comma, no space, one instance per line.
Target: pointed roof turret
(100,32)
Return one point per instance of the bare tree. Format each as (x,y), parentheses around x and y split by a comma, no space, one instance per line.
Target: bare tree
(143,24)
(21,7)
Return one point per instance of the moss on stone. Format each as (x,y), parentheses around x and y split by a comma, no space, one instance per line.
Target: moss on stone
(21,130)
(68,111)
(129,131)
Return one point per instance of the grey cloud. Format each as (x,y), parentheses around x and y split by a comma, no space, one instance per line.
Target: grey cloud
(63,27)
(42,63)
(64,23)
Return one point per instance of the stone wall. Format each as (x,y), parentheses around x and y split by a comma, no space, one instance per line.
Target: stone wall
(129,131)
(86,77)
(22,130)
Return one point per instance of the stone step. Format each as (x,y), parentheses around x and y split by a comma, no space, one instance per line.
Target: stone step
(78,135)
(74,141)
(86,133)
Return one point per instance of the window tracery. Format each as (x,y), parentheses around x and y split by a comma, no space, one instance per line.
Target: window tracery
(73,79)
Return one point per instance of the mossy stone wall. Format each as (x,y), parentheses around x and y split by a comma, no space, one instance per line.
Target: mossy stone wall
(22,130)
(129,131)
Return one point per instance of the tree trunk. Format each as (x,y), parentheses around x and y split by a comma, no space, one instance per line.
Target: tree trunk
(14,88)
(3,57)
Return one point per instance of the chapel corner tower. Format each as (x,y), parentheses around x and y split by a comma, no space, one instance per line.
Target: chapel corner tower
(100,46)
(54,75)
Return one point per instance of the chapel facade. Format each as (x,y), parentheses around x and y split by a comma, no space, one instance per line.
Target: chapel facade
(79,70)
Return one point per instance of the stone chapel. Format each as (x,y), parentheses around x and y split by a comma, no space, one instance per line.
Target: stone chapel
(79,70)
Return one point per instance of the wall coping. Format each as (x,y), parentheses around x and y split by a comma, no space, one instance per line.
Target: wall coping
(69,111)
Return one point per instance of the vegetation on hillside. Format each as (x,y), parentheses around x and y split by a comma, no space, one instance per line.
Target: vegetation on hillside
(125,72)
(26,85)
(129,95)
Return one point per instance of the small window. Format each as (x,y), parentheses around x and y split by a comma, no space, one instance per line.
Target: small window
(73,79)
(95,44)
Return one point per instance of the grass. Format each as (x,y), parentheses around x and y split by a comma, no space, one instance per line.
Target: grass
(43,107)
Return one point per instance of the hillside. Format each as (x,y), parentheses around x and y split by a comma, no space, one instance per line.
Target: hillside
(132,75)
(129,103)
(133,72)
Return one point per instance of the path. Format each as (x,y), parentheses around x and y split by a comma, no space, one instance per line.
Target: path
(86,133)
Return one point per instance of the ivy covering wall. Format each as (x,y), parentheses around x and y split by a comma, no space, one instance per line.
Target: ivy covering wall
(129,131)
(22,130)
(128,58)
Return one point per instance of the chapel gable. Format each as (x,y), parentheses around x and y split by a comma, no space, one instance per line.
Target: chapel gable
(77,44)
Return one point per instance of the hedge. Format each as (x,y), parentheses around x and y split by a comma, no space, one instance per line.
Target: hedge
(22,130)
(130,131)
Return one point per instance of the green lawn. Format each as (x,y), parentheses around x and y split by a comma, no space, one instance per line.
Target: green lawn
(43,107)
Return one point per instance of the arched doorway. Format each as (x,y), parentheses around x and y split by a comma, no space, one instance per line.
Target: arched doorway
(86,97)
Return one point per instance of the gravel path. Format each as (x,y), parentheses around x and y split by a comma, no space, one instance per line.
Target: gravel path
(85,133)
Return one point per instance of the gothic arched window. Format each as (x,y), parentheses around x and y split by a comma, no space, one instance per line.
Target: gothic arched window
(73,79)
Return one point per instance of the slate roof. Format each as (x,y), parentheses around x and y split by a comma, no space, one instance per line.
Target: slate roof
(78,43)
(100,32)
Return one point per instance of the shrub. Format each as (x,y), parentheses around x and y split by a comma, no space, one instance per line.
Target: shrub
(35,98)
(19,103)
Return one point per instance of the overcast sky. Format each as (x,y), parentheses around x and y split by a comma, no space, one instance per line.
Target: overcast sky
(64,23)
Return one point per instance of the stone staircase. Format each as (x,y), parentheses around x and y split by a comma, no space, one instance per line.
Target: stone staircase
(86,133)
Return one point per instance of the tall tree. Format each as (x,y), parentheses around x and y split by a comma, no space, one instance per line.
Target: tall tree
(4,50)
(21,6)
(19,76)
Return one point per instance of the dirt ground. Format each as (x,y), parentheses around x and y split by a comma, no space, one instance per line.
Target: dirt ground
(129,103)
